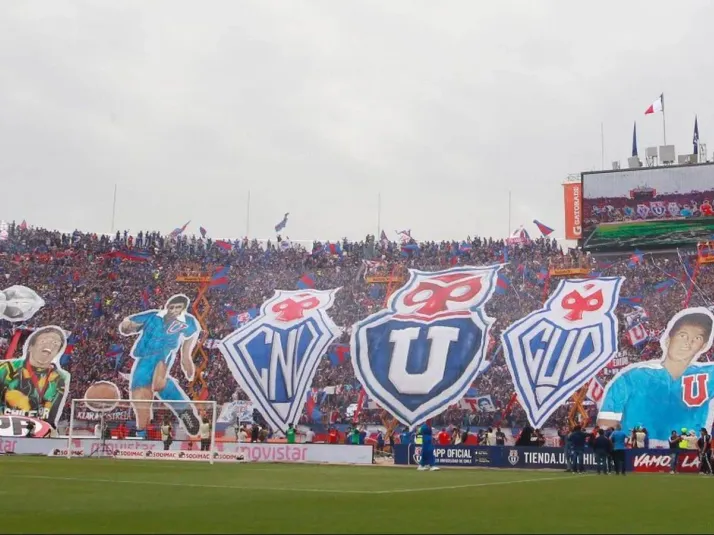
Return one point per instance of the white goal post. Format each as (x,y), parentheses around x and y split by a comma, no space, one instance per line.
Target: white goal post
(142,429)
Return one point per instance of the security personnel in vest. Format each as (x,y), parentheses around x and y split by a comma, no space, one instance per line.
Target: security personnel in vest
(418,441)
(425,438)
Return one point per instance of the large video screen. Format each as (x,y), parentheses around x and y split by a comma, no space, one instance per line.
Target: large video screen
(648,207)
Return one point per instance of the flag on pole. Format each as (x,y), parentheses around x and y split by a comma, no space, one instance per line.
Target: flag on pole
(405,235)
(634,139)
(545,230)
(23,225)
(280,226)
(219,279)
(502,284)
(595,390)
(145,298)
(226,246)
(636,258)
(383,238)
(203,232)
(340,354)
(695,138)
(634,301)
(175,233)
(657,105)
(307,280)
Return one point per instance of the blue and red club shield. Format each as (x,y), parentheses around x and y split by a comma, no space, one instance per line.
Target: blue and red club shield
(274,357)
(554,351)
(421,353)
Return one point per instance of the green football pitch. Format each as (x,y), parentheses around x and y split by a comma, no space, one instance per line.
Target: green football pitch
(43,495)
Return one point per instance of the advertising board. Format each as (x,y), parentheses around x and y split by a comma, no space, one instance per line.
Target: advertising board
(641,460)
(251,452)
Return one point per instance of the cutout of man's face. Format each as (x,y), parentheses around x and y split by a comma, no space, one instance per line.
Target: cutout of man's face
(175,310)
(45,348)
(687,342)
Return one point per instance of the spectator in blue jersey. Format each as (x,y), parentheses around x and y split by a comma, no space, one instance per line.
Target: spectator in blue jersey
(578,438)
(619,446)
(671,392)
(427,460)
(161,333)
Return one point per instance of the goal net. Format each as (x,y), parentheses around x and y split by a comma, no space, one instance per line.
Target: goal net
(143,429)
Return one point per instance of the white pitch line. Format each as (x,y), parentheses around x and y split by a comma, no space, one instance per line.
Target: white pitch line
(473,485)
(289,489)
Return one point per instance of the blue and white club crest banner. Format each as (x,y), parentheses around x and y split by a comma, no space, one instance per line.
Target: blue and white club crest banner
(421,353)
(275,356)
(554,351)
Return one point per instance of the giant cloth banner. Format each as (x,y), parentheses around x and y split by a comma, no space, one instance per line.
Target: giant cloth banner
(671,392)
(35,385)
(275,356)
(19,303)
(554,351)
(421,353)
(161,334)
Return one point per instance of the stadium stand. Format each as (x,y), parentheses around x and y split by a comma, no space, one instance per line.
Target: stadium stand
(90,282)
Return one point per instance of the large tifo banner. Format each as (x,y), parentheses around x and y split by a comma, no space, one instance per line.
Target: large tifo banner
(423,352)
(275,356)
(228,451)
(554,351)
(669,393)
(536,458)
(33,385)
(160,335)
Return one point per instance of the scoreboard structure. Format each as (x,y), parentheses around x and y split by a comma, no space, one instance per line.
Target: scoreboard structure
(647,208)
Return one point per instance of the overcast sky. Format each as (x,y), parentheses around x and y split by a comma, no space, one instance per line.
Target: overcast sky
(316,107)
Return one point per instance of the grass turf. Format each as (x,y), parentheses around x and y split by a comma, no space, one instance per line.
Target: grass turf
(42,495)
(653,232)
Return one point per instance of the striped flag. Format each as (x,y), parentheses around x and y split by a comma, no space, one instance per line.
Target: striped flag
(307,280)
(175,233)
(502,284)
(219,279)
(280,226)
(545,230)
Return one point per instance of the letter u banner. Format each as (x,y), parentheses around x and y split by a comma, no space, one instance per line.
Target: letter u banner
(422,352)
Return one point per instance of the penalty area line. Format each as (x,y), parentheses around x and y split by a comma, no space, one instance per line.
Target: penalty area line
(288,489)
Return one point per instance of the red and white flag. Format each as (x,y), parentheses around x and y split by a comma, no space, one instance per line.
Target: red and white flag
(657,105)
(595,391)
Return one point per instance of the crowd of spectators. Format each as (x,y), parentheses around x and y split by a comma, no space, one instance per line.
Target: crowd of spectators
(88,289)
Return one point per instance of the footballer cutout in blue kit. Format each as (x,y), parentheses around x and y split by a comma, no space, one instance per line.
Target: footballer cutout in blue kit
(160,336)
(672,392)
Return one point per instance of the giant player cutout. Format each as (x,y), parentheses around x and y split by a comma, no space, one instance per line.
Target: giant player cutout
(671,393)
(161,334)
(35,385)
